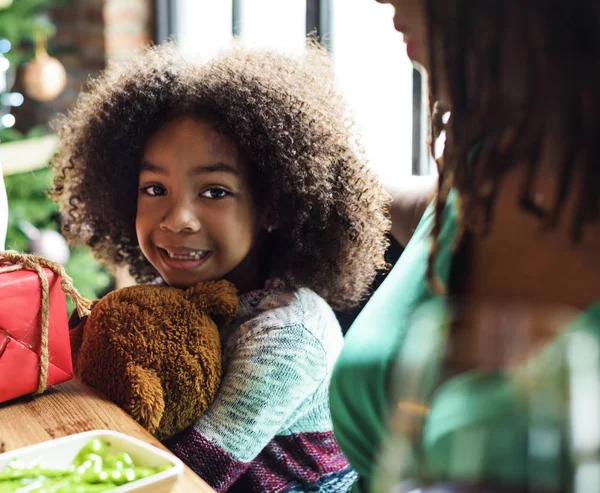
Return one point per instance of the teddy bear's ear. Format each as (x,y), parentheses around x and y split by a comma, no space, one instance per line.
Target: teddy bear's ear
(217,298)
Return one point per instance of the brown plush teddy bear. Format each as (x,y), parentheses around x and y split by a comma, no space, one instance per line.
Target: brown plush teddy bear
(155,350)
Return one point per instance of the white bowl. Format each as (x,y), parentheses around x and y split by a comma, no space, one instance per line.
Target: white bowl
(60,452)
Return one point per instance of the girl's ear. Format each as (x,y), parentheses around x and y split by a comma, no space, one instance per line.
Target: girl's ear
(271,222)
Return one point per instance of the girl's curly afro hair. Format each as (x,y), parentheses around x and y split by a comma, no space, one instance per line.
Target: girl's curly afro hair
(291,126)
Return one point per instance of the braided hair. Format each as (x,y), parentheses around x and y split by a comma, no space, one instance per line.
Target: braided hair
(518,75)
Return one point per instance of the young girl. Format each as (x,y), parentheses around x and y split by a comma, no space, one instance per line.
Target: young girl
(516,216)
(243,169)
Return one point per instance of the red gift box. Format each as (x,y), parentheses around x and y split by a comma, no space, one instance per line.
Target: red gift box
(21,333)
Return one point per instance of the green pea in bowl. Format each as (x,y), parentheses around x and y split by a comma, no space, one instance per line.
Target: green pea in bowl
(90,462)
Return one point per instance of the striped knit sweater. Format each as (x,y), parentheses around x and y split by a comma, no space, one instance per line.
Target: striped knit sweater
(269,428)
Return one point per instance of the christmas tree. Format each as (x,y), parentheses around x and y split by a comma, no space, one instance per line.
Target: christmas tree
(33,225)
(24,28)
(34,221)
(20,21)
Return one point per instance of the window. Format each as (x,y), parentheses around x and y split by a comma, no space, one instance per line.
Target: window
(371,65)
(377,77)
(272,23)
(202,27)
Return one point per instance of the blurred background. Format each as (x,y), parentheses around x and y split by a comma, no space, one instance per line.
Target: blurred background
(49,48)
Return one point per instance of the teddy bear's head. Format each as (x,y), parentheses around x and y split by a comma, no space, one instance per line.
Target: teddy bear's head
(155,350)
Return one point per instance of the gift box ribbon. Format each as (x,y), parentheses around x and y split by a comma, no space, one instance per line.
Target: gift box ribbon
(11,261)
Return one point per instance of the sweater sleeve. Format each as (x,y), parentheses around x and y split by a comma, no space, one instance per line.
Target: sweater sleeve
(268,376)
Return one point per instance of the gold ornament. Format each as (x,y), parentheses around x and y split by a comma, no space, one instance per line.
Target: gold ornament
(44,78)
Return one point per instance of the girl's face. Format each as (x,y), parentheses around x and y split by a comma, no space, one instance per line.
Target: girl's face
(196,219)
(409,19)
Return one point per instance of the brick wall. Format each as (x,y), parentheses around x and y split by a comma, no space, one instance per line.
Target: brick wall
(89,34)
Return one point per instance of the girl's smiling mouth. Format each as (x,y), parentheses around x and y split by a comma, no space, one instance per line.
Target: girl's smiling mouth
(183,258)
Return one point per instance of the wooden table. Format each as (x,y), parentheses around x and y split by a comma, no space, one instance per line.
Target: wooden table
(73,407)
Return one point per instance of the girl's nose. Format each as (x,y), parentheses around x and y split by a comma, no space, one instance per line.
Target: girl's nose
(180,217)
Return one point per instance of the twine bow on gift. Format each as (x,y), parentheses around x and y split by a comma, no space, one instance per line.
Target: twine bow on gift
(11,261)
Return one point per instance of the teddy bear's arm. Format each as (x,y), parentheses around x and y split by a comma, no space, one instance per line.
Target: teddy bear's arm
(144,400)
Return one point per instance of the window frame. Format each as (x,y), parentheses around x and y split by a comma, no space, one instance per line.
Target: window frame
(165,16)
(318,22)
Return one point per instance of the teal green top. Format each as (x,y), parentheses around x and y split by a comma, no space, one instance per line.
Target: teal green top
(359,396)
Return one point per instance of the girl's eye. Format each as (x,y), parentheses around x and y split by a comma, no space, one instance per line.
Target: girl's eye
(154,190)
(215,193)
